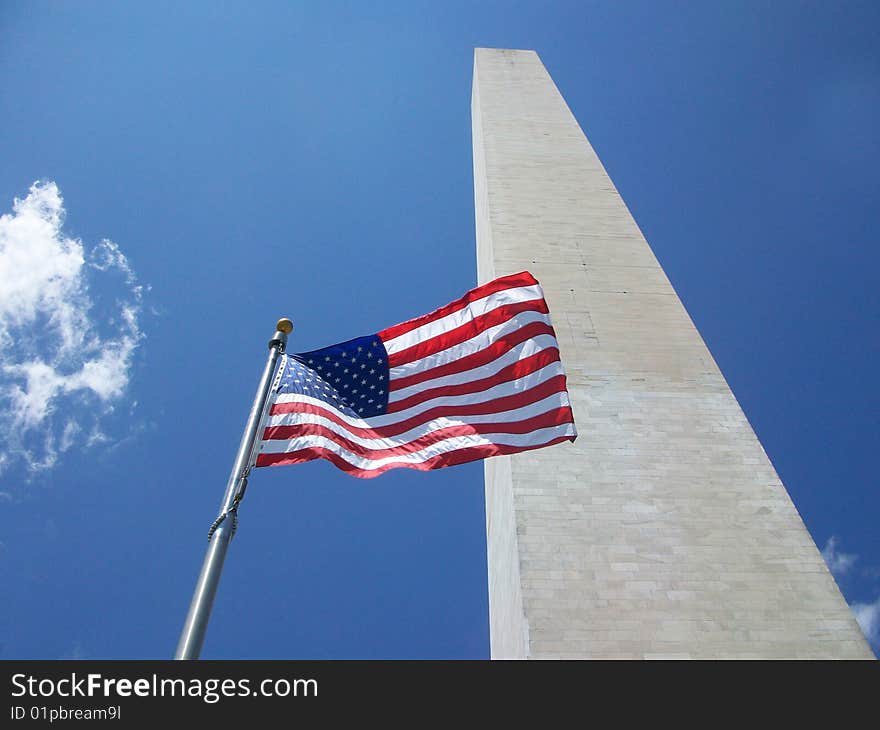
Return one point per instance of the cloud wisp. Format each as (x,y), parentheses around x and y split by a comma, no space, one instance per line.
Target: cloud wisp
(68,332)
(868,616)
(838,563)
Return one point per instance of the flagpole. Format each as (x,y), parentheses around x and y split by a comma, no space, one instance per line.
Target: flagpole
(196,624)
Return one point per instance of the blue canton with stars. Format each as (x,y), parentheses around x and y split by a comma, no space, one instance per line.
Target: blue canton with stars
(351,376)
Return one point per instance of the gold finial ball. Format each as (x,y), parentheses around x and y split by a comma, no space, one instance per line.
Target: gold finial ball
(284,325)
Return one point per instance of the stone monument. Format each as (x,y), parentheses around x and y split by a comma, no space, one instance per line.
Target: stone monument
(664,530)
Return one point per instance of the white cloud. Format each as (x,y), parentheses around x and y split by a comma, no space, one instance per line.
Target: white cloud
(68,435)
(838,563)
(868,616)
(68,331)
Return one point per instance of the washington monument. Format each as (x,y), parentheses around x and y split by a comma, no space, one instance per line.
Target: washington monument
(664,530)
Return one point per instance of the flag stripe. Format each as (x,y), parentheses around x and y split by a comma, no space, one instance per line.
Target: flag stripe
(450,458)
(474,345)
(453,363)
(380,448)
(525,383)
(395,428)
(516,371)
(454,443)
(455,319)
(524,278)
(495,368)
(285,426)
(465,331)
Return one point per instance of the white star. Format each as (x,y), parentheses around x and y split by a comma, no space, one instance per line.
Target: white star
(372,371)
(372,387)
(379,361)
(381,377)
(327,358)
(369,354)
(360,349)
(363,366)
(370,401)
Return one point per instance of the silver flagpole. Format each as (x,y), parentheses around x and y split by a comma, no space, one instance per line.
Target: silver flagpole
(193,634)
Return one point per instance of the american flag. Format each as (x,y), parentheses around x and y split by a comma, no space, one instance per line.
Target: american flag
(477,378)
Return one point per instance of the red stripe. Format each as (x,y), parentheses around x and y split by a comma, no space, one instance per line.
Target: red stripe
(465,331)
(524,278)
(451,458)
(478,359)
(514,371)
(555,417)
(553,385)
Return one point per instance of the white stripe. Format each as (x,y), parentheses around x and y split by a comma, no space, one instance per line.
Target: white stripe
(479,342)
(513,387)
(545,405)
(519,352)
(463,315)
(455,443)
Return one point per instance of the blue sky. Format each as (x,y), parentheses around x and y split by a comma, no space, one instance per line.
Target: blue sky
(203,170)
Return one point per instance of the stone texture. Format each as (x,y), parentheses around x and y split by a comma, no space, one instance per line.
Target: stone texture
(664,530)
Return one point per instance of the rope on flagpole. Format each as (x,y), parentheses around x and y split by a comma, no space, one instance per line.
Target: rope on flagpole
(193,634)
(231,512)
